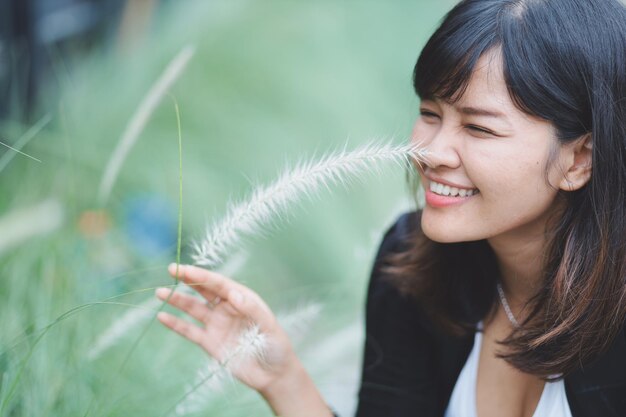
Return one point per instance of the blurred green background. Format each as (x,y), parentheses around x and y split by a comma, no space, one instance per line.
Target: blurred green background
(271,83)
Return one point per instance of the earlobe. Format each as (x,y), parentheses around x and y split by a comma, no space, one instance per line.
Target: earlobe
(580,164)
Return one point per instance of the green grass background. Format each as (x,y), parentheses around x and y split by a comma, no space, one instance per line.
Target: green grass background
(271,83)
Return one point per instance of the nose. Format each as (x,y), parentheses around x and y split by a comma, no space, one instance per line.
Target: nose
(442,146)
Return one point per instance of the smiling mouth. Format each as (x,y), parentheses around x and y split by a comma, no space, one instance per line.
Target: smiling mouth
(446,190)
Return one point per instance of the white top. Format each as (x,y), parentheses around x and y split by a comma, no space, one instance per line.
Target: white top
(553,401)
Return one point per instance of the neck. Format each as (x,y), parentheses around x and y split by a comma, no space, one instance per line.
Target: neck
(520,259)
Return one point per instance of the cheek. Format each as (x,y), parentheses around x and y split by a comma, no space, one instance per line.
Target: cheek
(518,182)
(497,168)
(522,195)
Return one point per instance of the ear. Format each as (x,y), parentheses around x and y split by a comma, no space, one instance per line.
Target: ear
(578,167)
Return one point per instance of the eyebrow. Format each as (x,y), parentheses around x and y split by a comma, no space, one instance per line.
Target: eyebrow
(475,111)
(472,111)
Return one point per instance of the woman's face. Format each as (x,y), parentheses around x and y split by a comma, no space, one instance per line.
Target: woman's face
(486,171)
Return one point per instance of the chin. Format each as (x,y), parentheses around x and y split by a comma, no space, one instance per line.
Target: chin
(445,231)
(440,236)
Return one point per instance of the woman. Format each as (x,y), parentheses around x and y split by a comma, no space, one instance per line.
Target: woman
(506,294)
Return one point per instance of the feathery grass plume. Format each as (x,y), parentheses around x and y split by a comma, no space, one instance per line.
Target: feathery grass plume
(143,312)
(140,118)
(22,224)
(211,379)
(251,344)
(268,203)
(297,322)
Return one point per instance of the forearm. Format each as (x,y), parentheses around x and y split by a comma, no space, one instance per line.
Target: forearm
(296,395)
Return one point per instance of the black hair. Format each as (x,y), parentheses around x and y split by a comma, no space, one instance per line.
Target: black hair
(564,61)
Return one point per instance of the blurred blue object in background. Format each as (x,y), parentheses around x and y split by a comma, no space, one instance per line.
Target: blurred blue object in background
(150,223)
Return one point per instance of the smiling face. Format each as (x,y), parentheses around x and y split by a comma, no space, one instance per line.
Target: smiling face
(486,175)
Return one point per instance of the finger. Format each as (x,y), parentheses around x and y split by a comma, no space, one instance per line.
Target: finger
(191,305)
(252,307)
(182,327)
(209,284)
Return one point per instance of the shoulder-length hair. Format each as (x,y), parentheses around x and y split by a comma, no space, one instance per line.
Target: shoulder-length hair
(565,62)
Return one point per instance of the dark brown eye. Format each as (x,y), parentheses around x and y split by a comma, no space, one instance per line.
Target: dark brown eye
(426,113)
(480,130)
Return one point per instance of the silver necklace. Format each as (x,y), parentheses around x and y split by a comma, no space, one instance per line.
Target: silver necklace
(507,309)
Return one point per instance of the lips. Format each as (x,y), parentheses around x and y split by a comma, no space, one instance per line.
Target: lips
(442,193)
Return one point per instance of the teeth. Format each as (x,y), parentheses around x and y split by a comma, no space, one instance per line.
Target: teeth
(446,190)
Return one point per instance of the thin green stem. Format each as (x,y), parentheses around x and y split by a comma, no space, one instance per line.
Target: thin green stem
(180,187)
(178,252)
(23,141)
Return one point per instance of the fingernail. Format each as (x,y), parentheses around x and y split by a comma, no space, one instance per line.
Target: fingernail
(175,268)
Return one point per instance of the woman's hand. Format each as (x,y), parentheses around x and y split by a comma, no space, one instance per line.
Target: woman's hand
(235,309)
(228,310)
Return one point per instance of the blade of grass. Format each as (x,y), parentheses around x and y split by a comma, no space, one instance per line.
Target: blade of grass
(24,223)
(42,332)
(23,141)
(140,118)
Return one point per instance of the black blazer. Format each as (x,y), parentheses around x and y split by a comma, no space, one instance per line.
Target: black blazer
(410,368)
